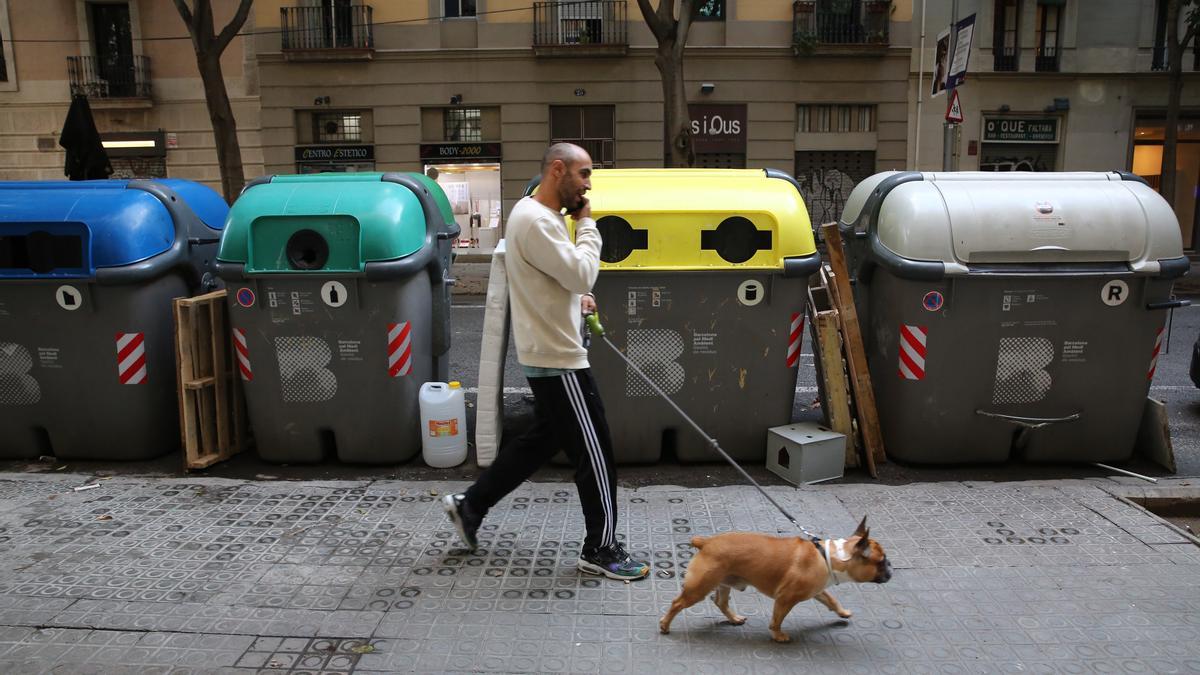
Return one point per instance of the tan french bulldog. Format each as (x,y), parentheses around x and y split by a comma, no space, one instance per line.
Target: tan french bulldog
(788,569)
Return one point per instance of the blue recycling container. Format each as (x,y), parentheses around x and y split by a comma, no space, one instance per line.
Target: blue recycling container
(87,274)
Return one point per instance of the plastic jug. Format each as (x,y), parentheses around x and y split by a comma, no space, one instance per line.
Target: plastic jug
(443,424)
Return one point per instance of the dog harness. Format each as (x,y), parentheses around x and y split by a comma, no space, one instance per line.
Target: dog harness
(835,577)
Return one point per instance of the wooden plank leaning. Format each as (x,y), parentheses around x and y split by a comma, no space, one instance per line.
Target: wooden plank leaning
(856,355)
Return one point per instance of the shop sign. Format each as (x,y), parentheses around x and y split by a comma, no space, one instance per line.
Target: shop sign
(718,127)
(459,151)
(336,153)
(1020,130)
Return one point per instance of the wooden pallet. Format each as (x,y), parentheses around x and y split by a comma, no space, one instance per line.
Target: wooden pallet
(212,417)
(832,385)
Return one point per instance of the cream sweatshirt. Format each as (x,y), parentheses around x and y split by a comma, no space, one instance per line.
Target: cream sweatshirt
(547,274)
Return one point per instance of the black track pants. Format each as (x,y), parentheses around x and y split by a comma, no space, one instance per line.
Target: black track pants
(568,415)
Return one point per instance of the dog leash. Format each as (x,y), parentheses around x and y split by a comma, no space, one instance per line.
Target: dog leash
(593,324)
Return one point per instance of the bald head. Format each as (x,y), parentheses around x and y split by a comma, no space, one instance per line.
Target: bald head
(567,153)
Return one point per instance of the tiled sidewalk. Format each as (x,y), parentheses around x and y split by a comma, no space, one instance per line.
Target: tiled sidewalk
(202,575)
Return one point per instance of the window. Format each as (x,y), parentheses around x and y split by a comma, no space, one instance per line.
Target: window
(588,126)
(711,10)
(3,62)
(1005,45)
(819,119)
(1049,36)
(112,36)
(1159,54)
(458,8)
(463,124)
(337,127)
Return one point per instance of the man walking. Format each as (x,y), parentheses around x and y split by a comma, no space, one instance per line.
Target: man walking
(549,279)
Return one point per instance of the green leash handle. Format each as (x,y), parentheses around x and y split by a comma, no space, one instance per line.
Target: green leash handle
(593,324)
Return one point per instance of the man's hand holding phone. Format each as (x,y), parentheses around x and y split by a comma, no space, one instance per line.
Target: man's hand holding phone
(581,210)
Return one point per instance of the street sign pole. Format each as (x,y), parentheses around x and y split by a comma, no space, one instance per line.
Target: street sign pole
(947,127)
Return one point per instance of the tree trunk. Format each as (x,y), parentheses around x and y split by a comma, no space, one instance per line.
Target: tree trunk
(229,153)
(671,35)
(1174,93)
(677,128)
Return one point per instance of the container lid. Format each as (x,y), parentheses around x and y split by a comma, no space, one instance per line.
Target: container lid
(84,225)
(345,219)
(698,219)
(979,218)
(455,385)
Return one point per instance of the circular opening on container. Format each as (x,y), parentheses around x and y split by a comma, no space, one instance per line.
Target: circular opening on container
(736,239)
(618,239)
(307,250)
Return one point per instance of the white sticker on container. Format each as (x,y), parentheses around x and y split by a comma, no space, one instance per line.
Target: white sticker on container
(750,292)
(334,293)
(69,298)
(1114,292)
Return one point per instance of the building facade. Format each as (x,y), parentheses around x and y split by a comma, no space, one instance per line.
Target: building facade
(134,61)
(1059,85)
(472,91)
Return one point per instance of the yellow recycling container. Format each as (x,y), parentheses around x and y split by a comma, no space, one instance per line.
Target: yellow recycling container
(702,284)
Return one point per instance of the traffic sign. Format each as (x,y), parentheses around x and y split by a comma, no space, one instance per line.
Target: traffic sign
(954,113)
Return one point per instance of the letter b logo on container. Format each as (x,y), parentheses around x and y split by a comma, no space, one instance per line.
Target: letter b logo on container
(303,376)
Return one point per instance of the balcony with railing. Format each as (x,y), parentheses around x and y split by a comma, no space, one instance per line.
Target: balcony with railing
(105,77)
(329,33)
(1047,60)
(821,27)
(1004,60)
(580,28)
(1158,59)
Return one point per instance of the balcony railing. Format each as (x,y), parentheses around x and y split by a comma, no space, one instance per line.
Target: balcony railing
(1047,60)
(337,32)
(1158,59)
(109,77)
(831,26)
(582,27)
(1005,60)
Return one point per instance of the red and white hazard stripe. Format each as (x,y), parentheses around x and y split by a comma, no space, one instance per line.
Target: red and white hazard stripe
(1154,355)
(131,358)
(912,352)
(795,338)
(243,354)
(399,349)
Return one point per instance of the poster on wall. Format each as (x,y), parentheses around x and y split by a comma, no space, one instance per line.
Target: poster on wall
(941,63)
(459,194)
(964,31)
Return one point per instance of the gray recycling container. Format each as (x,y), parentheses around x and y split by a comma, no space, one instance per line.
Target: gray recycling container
(1011,315)
(88,270)
(339,302)
(702,284)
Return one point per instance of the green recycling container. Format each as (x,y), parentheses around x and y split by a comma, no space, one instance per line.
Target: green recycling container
(339,298)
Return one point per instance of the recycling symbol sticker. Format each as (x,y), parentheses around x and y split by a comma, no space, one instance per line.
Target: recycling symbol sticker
(334,293)
(69,298)
(750,292)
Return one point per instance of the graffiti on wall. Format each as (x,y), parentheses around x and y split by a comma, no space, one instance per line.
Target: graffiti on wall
(825,191)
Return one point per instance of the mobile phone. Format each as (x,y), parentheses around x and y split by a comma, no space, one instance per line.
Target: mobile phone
(572,210)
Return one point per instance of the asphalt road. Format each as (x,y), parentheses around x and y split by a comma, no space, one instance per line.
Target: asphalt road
(1171,384)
